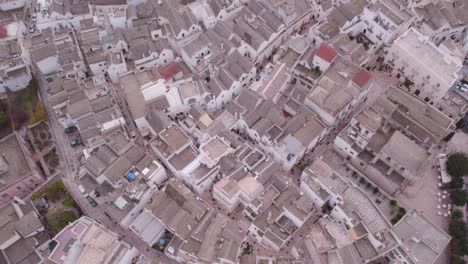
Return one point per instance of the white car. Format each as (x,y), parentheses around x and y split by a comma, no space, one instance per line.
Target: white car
(82,190)
(34,18)
(31,29)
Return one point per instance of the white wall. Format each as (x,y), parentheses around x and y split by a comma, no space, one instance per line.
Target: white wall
(11,5)
(15,84)
(49,65)
(321,63)
(115,70)
(98,68)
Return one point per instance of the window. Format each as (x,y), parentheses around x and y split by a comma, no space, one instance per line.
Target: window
(31,180)
(438,85)
(428,77)
(18,187)
(417,92)
(5,195)
(426,99)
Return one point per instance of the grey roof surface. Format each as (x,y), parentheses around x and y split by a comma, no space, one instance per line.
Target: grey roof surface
(18,165)
(405,152)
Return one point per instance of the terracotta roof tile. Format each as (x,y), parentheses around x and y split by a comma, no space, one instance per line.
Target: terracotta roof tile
(362,77)
(326,52)
(170,70)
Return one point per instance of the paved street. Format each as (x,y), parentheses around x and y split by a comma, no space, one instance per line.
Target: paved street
(145,199)
(70,165)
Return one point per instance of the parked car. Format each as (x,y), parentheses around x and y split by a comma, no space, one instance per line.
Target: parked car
(91,201)
(32,29)
(75,142)
(82,190)
(70,129)
(34,18)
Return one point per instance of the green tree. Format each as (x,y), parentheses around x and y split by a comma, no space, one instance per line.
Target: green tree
(459,197)
(39,114)
(458,229)
(56,191)
(457,214)
(457,165)
(3,118)
(455,259)
(457,183)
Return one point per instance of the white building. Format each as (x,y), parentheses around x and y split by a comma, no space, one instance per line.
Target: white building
(340,88)
(426,70)
(112,12)
(384,20)
(230,193)
(324,57)
(46,59)
(14,69)
(116,65)
(7,5)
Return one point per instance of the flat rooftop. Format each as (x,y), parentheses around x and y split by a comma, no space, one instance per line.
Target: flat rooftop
(424,240)
(18,167)
(425,53)
(405,152)
(182,159)
(334,90)
(85,241)
(215,148)
(174,137)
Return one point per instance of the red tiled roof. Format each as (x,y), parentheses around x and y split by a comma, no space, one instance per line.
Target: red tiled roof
(3,31)
(326,52)
(362,77)
(170,70)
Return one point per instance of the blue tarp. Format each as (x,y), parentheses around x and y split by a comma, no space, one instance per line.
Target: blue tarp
(131,176)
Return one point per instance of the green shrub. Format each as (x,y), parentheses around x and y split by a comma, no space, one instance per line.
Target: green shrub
(461,123)
(449,137)
(3,118)
(68,202)
(60,220)
(38,143)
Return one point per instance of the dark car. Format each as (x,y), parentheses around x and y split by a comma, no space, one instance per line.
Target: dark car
(91,201)
(70,129)
(75,142)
